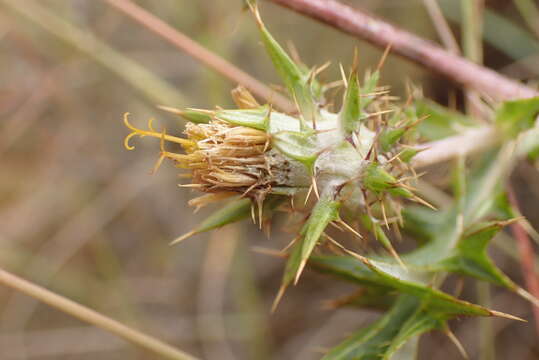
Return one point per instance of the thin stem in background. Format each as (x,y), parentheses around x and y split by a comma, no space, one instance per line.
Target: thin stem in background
(90,316)
(156,89)
(442,27)
(529,11)
(527,256)
(213,282)
(200,53)
(472,44)
(382,34)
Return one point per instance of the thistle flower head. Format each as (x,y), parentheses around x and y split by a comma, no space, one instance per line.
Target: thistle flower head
(355,161)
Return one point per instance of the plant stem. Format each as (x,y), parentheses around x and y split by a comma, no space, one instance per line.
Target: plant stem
(92,317)
(530,12)
(487,347)
(527,256)
(200,53)
(459,145)
(472,44)
(442,27)
(382,34)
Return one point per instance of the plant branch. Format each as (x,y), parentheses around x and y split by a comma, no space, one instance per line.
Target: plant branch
(205,56)
(92,317)
(527,256)
(360,24)
(468,143)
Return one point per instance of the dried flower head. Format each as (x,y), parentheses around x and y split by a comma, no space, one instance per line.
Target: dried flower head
(355,162)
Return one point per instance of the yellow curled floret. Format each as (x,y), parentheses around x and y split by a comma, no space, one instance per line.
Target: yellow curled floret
(188,145)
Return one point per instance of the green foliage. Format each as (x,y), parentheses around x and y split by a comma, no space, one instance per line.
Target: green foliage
(296,145)
(356,161)
(514,117)
(350,115)
(325,211)
(408,318)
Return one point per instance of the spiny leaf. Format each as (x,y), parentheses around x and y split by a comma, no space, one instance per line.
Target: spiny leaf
(192,115)
(296,80)
(380,236)
(369,87)
(393,277)
(234,211)
(440,122)
(350,114)
(257,118)
(296,145)
(471,258)
(262,118)
(384,337)
(513,117)
(376,179)
(407,154)
(323,213)
(389,138)
(371,297)
(482,188)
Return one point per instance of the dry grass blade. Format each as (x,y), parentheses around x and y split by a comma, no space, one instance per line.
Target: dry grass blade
(88,315)
(200,53)
(136,75)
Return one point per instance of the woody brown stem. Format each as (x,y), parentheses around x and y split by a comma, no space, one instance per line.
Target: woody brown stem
(378,32)
(197,51)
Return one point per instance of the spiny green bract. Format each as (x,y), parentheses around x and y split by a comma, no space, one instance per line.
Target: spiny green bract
(354,164)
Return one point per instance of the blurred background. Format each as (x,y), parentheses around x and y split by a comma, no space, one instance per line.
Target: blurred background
(82,216)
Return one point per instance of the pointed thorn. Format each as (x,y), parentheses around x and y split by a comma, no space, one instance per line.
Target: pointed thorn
(507,316)
(424,202)
(170,109)
(267,251)
(351,229)
(308,194)
(526,295)
(300,270)
(183,237)
(278,298)
(343,74)
(397,257)
(355,62)
(315,188)
(384,57)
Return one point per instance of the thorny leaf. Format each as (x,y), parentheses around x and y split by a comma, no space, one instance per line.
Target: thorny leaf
(378,180)
(448,247)
(470,256)
(516,116)
(236,210)
(192,115)
(296,80)
(324,212)
(254,118)
(369,87)
(408,318)
(350,115)
(262,118)
(394,277)
(297,145)
(439,122)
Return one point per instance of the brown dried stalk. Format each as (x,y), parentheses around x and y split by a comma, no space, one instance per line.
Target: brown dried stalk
(360,24)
